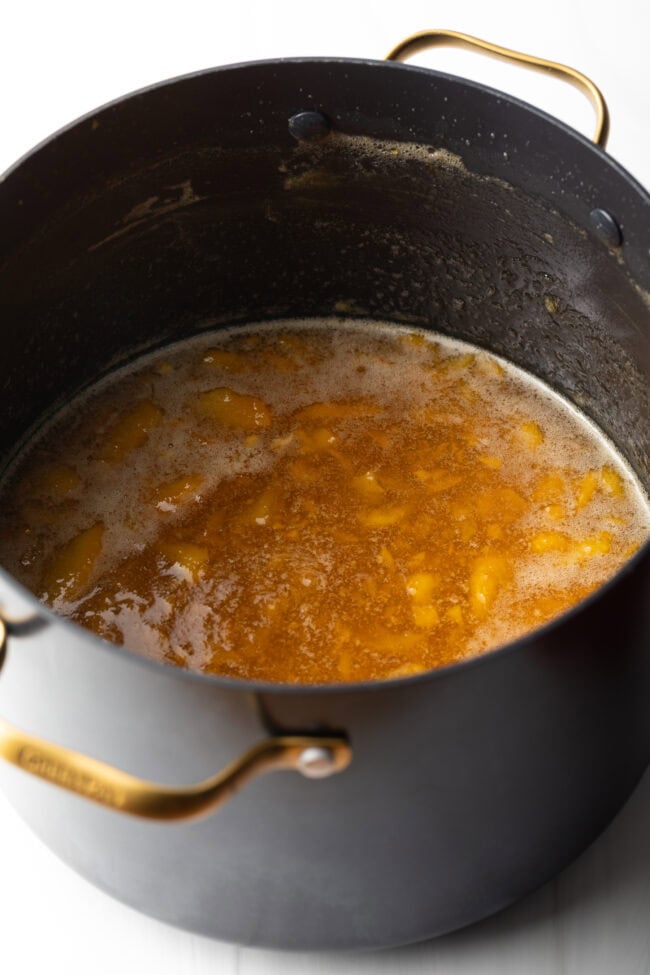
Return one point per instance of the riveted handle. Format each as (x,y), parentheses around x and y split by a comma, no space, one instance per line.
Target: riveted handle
(312,756)
(451,38)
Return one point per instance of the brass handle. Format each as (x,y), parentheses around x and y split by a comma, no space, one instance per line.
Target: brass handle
(313,756)
(451,38)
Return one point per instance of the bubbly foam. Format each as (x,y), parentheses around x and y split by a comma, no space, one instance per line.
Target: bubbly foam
(411,373)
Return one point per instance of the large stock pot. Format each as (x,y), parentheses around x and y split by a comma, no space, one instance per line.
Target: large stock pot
(322,187)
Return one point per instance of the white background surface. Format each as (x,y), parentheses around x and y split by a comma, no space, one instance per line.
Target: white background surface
(61,59)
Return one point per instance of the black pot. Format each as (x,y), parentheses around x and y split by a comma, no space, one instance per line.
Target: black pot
(190,205)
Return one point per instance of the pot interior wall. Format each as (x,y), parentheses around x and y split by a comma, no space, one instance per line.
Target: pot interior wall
(191,235)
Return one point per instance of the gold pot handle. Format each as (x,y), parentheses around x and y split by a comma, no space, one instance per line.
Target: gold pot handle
(451,38)
(312,756)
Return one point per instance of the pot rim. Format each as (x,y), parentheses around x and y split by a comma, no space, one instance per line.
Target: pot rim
(397,66)
(44,613)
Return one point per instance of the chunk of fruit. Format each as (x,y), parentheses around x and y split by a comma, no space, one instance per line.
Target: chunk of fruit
(170,495)
(612,482)
(426,617)
(607,480)
(588,487)
(72,567)
(413,338)
(551,541)
(262,509)
(345,665)
(281,443)
(382,517)
(490,573)
(405,670)
(130,431)
(599,544)
(368,486)
(385,558)
(394,480)
(530,433)
(489,366)
(326,412)
(420,586)
(189,558)
(235,411)
(315,440)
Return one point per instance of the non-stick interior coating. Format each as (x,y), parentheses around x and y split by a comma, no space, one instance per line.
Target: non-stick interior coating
(190,234)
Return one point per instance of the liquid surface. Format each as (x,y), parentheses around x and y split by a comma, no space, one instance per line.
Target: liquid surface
(318,502)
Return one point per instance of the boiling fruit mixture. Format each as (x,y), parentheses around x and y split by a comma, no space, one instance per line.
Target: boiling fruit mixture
(315,502)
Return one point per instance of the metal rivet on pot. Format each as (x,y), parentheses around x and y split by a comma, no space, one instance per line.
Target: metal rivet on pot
(317,763)
(606,227)
(309,126)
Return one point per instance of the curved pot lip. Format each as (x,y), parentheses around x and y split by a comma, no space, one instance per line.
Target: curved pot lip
(397,66)
(49,617)
(520,645)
